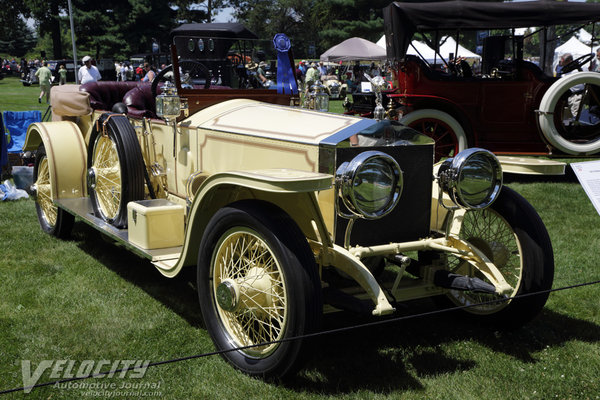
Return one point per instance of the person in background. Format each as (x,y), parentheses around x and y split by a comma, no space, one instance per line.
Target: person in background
(322,69)
(303,67)
(139,71)
(299,75)
(123,71)
(45,78)
(312,76)
(62,74)
(150,74)
(374,70)
(260,72)
(559,66)
(595,65)
(88,72)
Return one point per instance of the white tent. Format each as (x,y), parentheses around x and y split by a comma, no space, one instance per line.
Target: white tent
(426,52)
(449,47)
(354,49)
(584,36)
(572,46)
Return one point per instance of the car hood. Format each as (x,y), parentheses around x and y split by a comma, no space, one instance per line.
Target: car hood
(254,118)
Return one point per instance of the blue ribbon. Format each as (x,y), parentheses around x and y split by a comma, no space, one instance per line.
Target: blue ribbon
(286,76)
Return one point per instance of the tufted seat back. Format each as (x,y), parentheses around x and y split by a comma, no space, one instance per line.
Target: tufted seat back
(104,94)
(140,102)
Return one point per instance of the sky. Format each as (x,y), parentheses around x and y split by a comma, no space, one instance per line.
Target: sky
(224,15)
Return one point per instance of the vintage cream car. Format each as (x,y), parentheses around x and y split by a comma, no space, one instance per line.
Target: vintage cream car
(286,213)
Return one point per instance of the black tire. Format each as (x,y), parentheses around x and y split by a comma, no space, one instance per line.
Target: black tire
(115,173)
(292,291)
(188,68)
(53,220)
(493,231)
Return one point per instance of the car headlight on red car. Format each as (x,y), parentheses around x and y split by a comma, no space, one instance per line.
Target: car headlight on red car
(472,179)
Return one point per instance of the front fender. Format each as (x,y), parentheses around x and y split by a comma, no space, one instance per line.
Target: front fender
(291,190)
(67,156)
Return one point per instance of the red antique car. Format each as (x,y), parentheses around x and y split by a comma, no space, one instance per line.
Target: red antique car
(508,104)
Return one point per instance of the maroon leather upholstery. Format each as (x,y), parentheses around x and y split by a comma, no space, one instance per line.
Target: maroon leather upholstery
(104,94)
(140,102)
(137,96)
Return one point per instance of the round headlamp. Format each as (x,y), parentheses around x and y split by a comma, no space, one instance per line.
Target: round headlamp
(472,179)
(370,185)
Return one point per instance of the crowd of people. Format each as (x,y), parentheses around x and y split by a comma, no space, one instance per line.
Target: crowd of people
(308,73)
(143,72)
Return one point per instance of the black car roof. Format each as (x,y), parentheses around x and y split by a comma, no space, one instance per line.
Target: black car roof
(228,30)
(402,20)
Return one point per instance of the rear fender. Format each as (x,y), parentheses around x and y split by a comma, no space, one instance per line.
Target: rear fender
(67,156)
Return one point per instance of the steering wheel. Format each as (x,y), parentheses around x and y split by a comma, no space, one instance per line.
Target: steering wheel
(189,72)
(577,63)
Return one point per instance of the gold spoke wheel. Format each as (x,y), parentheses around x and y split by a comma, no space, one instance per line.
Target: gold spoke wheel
(108,179)
(246,265)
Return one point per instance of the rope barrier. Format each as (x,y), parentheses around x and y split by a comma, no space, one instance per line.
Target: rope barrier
(307,336)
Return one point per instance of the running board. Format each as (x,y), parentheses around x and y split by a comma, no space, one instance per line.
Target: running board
(531,166)
(82,207)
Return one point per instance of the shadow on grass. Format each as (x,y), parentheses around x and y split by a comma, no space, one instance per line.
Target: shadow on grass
(396,356)
(178,293)
(383,358)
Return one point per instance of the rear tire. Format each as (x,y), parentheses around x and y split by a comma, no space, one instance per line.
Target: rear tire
(449,136)
(53,220)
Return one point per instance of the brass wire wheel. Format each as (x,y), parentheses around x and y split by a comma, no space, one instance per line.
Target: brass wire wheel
(512,235)
(115,168)
(492,234)
(261,313)
(44,201)
(107,169)
(258,285)
(53,220)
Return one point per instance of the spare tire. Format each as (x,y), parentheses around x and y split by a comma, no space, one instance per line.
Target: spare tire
(572,135)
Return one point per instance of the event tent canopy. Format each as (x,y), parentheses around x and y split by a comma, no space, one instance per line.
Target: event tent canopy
(572,46)
(448,47)
(354,49)
(415,49)
(584,36)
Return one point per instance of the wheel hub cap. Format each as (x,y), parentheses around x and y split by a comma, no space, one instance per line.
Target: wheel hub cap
(228,295)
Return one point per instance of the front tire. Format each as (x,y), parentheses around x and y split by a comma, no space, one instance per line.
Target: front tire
(53,220)
(258,283)
(512,235)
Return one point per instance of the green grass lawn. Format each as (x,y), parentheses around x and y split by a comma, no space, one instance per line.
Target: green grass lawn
(88,299)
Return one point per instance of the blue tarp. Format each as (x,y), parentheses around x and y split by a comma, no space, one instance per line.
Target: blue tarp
(3,145)
(16,124)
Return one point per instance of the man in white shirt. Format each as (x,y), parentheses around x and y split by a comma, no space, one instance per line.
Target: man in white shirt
(88,72)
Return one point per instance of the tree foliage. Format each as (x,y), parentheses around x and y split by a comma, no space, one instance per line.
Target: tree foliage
(16,38)
(313,26)
(118,29)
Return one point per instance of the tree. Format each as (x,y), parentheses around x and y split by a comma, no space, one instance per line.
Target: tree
(47,14)
(311,23)
(19,40)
